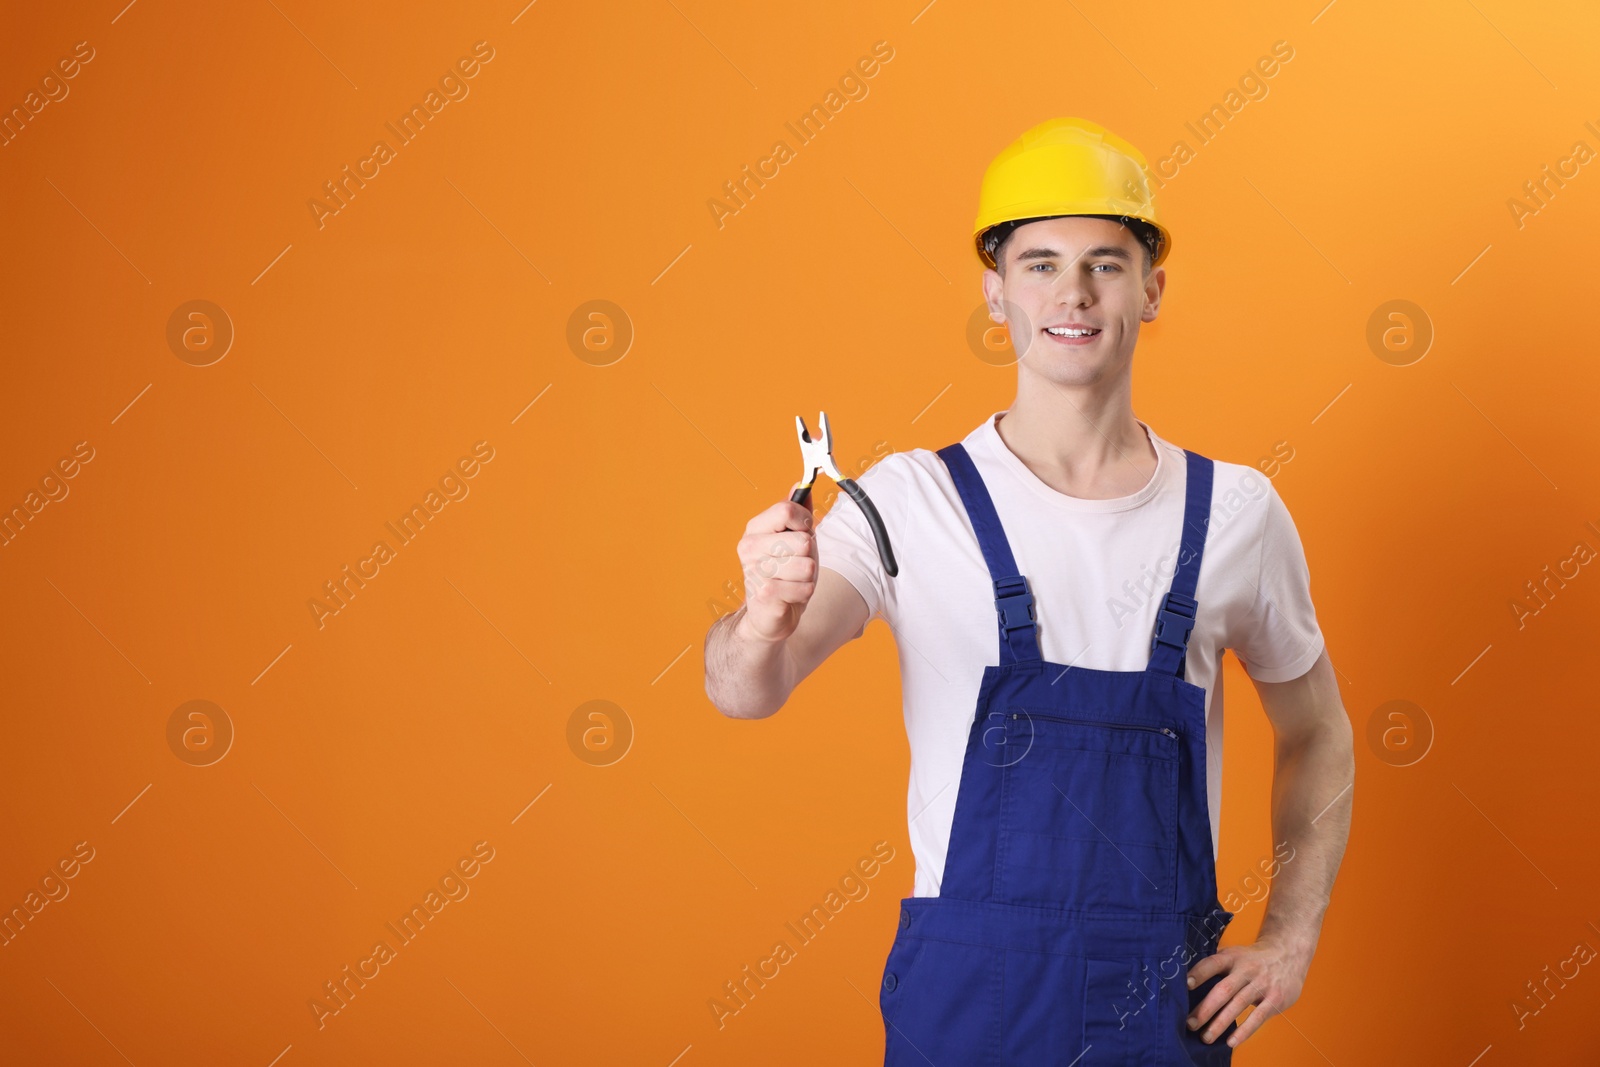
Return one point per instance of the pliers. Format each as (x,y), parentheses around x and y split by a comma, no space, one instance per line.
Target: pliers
(818,456)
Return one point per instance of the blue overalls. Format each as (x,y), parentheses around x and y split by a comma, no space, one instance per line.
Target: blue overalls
(1080,884)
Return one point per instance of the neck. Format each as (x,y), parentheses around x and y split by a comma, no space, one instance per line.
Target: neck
(1080,441)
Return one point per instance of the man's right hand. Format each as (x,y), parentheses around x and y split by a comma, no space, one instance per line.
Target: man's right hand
(757,655)
(779,555)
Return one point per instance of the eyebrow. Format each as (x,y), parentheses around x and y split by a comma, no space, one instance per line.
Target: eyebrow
(1098,252)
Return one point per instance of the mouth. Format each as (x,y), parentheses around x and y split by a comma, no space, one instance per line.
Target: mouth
(1072,335)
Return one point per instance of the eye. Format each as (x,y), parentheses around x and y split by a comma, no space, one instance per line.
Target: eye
(1047,266)
(1113,266)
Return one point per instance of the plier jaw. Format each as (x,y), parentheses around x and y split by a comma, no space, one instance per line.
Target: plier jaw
(817,455)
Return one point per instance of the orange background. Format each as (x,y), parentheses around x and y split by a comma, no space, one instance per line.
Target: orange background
(371,754)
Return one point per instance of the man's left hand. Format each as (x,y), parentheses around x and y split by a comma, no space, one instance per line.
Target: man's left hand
(1268,974)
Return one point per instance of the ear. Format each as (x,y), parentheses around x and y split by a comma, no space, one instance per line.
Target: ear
(1154,286)
(993,295)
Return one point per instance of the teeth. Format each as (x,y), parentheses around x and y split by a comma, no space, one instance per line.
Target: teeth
(1061,331)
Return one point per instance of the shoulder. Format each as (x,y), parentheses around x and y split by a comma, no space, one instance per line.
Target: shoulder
(893,481)
(1238,484)
(1248,513)
(1243,499)
(905,471)
(911,486)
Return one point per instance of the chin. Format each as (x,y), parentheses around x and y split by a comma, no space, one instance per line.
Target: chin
(1064,371)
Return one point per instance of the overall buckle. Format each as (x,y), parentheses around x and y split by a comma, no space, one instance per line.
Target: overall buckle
(1014,603)
(1174,621)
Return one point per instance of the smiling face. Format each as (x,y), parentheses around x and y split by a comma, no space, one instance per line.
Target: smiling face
(1073,294)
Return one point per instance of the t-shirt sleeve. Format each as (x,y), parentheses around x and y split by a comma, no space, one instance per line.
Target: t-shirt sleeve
(1280,638)
(844,540)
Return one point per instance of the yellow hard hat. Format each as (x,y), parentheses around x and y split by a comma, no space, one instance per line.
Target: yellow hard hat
(1066,166)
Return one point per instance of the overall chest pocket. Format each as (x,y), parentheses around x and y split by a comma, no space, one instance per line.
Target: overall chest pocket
(1089,814)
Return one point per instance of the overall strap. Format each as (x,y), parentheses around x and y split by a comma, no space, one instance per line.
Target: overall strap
(1175,618)
(1019,637)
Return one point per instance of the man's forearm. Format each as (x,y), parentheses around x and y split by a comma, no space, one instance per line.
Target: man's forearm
(746,677)
(1313,789)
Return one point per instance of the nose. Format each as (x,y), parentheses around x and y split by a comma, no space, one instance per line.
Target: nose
(1070,287)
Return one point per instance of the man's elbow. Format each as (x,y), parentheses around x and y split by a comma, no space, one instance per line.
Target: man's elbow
(1326,730)
(733,701)
(736,710)
(1339,737)
(717,693)
(729,706)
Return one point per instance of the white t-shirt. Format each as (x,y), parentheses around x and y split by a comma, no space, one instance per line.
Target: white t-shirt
(1097,570)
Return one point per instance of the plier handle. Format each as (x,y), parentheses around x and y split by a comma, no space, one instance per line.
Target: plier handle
(818,456)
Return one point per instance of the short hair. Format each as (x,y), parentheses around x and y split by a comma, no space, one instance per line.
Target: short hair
(1149,238)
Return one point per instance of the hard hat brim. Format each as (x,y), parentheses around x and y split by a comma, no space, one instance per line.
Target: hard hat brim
(978,237)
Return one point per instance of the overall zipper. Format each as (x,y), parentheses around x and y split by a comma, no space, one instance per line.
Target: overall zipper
(1096,722)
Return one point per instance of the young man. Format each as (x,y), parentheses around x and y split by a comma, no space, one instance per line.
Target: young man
(1068,582)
